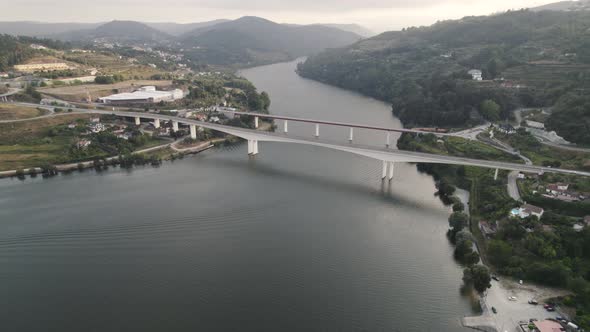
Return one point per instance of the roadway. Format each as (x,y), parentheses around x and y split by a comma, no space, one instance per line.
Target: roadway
(379,153)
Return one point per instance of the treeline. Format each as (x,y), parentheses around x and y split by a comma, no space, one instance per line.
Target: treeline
(109,79)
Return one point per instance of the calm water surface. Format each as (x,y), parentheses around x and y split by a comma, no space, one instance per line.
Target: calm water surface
(298,239)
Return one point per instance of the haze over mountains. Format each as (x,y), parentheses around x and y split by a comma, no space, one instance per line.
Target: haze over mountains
(80,30)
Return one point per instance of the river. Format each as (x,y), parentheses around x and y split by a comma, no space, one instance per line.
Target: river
(299,238)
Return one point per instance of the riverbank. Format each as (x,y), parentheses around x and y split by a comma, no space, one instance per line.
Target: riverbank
(91,164)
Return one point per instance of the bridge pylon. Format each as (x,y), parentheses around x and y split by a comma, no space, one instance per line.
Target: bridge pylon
(387,171)
(252,147)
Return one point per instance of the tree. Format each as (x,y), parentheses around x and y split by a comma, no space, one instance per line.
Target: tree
(490,110)
(265,100)
(445,188)
(499,252)
(457,221)
(478,277)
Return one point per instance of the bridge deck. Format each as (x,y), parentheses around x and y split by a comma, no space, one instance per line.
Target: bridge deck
(379,153)
(334,123)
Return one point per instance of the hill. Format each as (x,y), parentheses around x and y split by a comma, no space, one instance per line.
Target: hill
(177,29)
(423,71)
(14,50)
(121,31)
(42,29)
(253,40)
(565,6)
(354,28)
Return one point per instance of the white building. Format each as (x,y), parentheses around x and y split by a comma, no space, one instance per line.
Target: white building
(476,74)
(535,124)
(145,95)
(526,211)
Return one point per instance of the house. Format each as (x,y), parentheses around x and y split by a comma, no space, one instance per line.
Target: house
(555,188)
(488,229)
(37,47)
(95,120)
(521,176)
(506,128)
(97,127)
(578,227)
(72,126)
(4,75)
(526,211)
(83,143)
(476,74)
(535,124)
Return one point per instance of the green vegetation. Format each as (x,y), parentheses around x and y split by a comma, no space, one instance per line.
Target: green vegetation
(228,89)
(547,251)
(454,146)
(423,71)
(478,277)
(108,79)
(51,141)
(571,118)
(15,112)
(14,50)
(542,154)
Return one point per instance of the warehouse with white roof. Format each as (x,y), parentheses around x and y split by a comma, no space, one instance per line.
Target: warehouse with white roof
(145,95)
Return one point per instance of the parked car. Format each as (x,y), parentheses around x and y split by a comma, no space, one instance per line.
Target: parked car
(533,302)
(494,310)
(550,308)
(512,298)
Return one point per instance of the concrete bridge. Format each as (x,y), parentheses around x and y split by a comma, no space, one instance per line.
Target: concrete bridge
(5,96)
(386,155)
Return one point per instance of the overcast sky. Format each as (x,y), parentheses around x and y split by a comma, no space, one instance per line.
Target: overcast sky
(378,15)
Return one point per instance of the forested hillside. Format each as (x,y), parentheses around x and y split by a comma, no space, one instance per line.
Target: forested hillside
(14,50)
(423,71)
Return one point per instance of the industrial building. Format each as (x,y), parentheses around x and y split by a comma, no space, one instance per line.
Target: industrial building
(145,95)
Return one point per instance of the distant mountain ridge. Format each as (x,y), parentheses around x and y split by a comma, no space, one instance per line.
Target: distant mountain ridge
(251,40)
(117,31)
(354,28)
(177,29)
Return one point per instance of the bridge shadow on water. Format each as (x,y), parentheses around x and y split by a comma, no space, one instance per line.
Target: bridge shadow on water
(381,189)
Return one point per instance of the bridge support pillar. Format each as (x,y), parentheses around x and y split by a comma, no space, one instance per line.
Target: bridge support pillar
(496,175)
(388,139)
(256,122)
(157,123)
(286,126)
(391,164)
(175,126)
(252,147)
(384,172)
(193,132)
(317,130)
(137,121)
(350,135)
